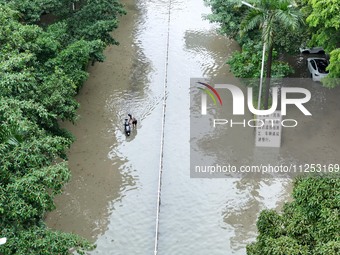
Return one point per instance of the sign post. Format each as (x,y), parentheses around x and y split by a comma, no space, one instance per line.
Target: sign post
(269,134)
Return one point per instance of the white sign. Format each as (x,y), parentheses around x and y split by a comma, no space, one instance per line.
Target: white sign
(269,134)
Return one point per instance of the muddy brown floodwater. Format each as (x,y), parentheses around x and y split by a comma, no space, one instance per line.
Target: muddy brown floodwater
(111,199)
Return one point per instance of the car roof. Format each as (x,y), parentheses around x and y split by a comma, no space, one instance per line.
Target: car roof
(316,58)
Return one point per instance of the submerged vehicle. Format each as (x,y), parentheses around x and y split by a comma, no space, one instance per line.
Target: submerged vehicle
(317,68)
(127,127)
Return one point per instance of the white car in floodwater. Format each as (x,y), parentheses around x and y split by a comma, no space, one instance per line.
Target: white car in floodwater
(317,68)
(312,50)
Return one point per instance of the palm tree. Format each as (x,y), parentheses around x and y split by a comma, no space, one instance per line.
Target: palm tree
(270,16)
(12,136)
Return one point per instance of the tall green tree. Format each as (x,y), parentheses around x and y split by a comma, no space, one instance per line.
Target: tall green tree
(308,225)
(87,20)
(269,16)
(229,15)
(31,11)
(32,172)
(247,63)
(41,70)
(323,19)
(93,20)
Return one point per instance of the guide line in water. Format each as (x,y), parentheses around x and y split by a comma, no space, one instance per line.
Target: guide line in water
(160,174)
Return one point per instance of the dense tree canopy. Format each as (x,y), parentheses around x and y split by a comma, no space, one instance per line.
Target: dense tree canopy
(271,22)
(230,14)
(233,17)
(270,16)
(320,28)
(41,70)
(323,18)
(247,63)
(308,225)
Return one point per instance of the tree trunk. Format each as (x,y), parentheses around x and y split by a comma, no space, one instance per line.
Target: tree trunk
(268,76)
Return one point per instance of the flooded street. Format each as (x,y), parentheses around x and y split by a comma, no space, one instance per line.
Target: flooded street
(112,197)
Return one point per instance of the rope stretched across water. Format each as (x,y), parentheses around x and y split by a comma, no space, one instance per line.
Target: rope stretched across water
(162,134)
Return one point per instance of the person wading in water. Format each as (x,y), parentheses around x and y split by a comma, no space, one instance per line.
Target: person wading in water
(132,120)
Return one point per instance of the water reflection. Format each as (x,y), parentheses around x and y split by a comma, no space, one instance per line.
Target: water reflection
(209,49)
(130,230)
(113,193)
(102,175)
(242,211)
(194,218)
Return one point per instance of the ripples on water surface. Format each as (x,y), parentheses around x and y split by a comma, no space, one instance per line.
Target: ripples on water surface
(112,196)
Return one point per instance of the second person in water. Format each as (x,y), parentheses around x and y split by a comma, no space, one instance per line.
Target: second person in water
(132,121)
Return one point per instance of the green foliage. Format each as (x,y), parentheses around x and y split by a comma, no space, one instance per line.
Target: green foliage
(288,41)
(308,225)
(324,21)
(30,178)
(279,246)
(38,240)
(247,63)
(31,10)
(231,14)
(278,25)
(333,79)
(88,20)
(323,18)
(41,70)
(95,20)
(271,16)
(228,14)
